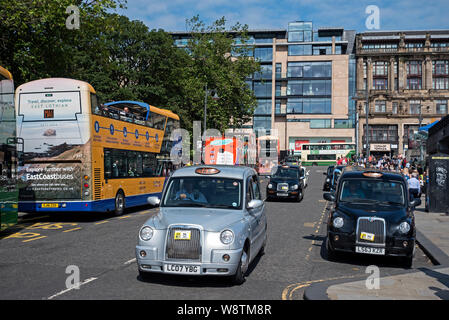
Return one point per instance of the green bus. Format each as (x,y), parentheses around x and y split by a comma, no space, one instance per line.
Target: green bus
(8,153)
(325,154)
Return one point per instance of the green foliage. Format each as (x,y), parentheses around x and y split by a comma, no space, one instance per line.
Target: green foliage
(123,60)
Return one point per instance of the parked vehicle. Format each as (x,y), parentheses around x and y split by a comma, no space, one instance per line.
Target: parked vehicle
(372,214)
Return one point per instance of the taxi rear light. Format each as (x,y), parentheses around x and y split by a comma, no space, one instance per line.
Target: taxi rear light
(86,185)
(373,174)
(207,171)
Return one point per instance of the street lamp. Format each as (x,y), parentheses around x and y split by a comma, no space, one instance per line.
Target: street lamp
(214,96)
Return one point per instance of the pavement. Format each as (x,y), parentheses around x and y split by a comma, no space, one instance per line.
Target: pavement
(422,283)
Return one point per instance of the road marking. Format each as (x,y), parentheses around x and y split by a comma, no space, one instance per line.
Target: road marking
(34,239)
(130,261)
(309,224)
(102,222)
(287,294)
(71,230)
(31,219)
(74,287)
(124,217)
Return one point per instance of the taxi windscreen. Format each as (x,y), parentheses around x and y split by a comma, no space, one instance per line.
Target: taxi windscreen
(370,190)
(286,173)
(207,192)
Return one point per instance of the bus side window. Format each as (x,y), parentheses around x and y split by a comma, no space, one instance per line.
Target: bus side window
(95,107)
(149,165)
(107,164)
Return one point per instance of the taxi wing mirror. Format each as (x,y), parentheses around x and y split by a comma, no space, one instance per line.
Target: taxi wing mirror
(253,204)
(155,201)
(329,196)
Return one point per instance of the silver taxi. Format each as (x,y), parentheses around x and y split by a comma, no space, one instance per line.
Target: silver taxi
(211,222)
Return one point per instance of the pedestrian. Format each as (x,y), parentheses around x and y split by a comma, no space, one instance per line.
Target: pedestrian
(414,187)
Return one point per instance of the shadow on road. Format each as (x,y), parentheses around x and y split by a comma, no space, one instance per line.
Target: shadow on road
(442,278)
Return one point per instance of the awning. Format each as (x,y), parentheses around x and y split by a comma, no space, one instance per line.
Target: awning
(427,127)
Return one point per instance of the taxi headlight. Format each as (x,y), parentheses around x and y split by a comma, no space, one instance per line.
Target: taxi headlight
(270,186)
(294,187)
(338,222)
(146,233)
(227,236)
(404,227)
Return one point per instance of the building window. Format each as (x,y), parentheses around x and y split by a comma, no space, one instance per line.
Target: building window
(262,123)
(265,72)
(309,106)
(380,106)
(380,84)
(300,50)
(381,133)
(310,69)
(262,89)
(322,50)
(263,54)
(380,68)
(263,107)
(320,123)
(440,73)
(414,72)
(441,106)
(395,108)
(309,87)
(415,106)
(342,123)
(278,89)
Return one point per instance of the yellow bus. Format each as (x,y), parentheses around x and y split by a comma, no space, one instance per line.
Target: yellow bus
(8,152)
(325,154)
(83,156)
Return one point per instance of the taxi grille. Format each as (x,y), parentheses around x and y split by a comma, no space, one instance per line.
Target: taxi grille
(281,187)
(184,249)
(372,225)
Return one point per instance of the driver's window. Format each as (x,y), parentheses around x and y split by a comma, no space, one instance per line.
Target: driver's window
(249,195)
(256,190)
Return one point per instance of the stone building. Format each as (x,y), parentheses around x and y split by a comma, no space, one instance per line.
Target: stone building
(407,76)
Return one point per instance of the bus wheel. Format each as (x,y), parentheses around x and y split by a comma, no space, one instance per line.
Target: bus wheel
(119,203)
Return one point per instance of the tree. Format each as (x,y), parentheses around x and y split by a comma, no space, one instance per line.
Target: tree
(35,41)
(223,66)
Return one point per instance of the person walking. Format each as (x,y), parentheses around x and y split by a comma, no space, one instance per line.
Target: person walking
(414,186)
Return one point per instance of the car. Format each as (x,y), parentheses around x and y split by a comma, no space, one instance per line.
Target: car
(329,175)
(292,161)
(286,183)
(211,222)
(371,214)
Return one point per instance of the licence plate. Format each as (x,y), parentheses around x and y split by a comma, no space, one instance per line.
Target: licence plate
(182,269)
(284,188)
(370,250)
(50,205)
(282,194)
(367,236)
(182,235)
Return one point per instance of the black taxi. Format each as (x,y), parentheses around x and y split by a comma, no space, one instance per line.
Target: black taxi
(287,182)
(371,214)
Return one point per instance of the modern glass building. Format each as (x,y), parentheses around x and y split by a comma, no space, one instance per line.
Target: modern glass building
(306,85)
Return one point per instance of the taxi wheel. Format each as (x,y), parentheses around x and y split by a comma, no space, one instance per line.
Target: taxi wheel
(119,203)
(239,276)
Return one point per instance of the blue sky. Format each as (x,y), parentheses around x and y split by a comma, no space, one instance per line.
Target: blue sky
(171,15)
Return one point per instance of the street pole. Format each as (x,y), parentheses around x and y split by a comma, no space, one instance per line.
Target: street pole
(205,109)
(420,140)
(366,119)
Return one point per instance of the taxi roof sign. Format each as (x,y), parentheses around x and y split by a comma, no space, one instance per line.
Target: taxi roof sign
(207,171)
(373,174)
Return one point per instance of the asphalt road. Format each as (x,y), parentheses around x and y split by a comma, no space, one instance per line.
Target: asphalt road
(36,254)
